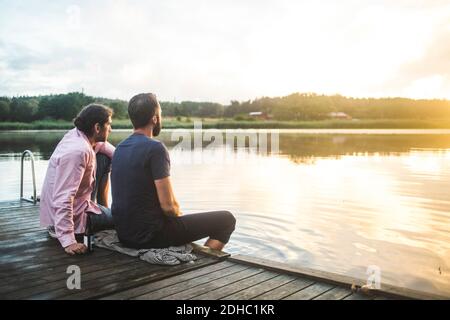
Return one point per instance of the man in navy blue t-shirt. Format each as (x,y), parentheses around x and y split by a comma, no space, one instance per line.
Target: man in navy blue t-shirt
(145,211)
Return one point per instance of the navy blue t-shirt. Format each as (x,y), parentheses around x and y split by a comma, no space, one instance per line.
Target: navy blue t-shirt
(137,162)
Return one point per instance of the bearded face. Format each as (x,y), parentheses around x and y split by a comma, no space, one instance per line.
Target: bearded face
(103,135)
(157,128)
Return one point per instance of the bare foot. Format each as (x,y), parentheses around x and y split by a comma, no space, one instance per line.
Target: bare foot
(214,244)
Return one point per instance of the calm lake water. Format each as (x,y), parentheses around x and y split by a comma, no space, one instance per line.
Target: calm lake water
(334,200)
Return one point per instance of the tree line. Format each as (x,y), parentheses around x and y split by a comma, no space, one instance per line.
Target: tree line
(311,106)
(53,107)
(297,106)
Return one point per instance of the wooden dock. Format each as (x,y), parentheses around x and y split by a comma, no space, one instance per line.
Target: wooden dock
(33,266)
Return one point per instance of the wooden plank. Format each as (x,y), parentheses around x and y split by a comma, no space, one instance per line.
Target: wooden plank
(5,220)
(53,274)
(23,240)
(110,266)
(310,292)
(21,267)
(212,285)
(186,285)
(149,287)
(31,213)
(41,255)
(44,263)
(61,275)
(53,290)
(49,245)
(44,277)
(114,264)
(20,232)
(18,228)
(18,238)
(236,286)
(337,293)
(6,212)
(19,217)
(261,288)
(210,252)
(313,274)
(15,204)
(17,208)
(11,225)
(137,277)
(15,225)
(357,296)
(381,298)
(18,212)
(10,203)
(8,235)
(52,257)
(26,234)
(335,279)
(22,222)
(285,290)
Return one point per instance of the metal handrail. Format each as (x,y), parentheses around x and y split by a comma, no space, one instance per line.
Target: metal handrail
(34,198)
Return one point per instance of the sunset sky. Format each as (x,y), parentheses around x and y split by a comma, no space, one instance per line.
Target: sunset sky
(222,50)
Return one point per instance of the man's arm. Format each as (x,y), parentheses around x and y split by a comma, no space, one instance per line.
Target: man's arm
(166,197)
(69,174)
(106,148)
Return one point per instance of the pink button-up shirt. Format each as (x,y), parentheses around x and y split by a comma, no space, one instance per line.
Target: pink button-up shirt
(68,184)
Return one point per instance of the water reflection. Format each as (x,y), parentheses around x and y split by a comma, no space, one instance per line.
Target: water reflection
(336,202)
(299,147)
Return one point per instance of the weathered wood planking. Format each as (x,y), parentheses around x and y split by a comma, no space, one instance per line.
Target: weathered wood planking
(33,266)
(337,280)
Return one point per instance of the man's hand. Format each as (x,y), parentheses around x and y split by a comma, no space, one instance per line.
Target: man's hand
(174,213)
(76,248)
(166,197)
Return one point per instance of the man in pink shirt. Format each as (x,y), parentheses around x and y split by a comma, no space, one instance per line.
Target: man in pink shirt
(77,175)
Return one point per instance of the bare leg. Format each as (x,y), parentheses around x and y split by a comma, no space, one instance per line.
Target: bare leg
(103,191)
(214,244)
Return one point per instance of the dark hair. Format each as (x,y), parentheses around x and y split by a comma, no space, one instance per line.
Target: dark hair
(90,115)
(142,108)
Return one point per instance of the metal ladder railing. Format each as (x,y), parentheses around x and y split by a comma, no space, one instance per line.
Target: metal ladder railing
(33,199)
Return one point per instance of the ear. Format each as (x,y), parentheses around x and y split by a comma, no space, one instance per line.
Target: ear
(97,128)
(154,119)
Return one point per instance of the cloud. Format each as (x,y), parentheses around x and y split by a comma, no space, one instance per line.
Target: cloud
(216,51)
(428,76)
(435,61)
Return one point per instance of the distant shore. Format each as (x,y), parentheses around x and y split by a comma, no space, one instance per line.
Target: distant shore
(210,123)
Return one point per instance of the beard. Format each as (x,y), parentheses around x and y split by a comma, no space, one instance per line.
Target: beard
(156,129)
(102,137)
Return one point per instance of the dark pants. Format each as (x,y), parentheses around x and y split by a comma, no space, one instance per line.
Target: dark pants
(101,174)
(217,225)
(103,221)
